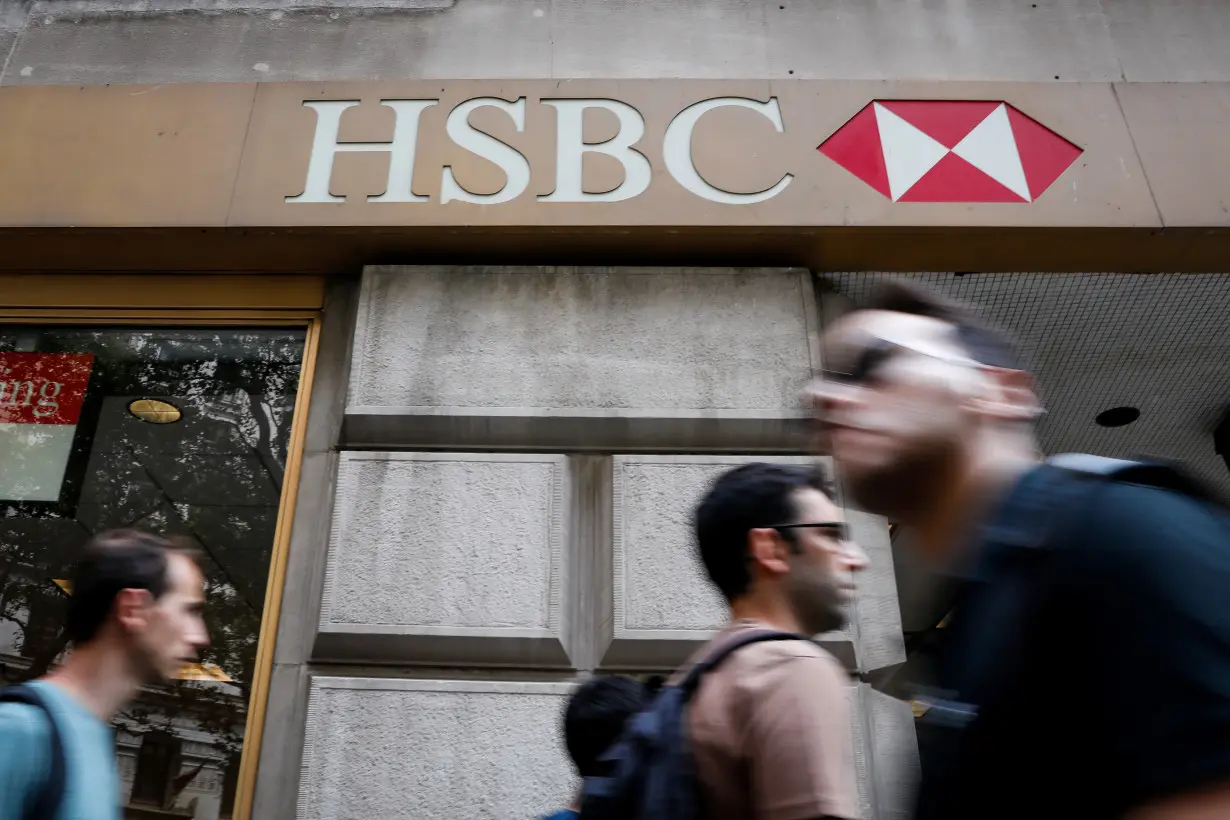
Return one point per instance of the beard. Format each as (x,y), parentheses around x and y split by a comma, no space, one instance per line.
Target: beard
(905,483)
(815,599)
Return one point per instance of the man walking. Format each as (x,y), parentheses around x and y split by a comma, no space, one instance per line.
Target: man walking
(1084,670)
(769,728)
(135,618)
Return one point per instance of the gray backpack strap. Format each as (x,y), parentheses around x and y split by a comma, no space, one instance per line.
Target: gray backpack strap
(1146,472)
(47,804)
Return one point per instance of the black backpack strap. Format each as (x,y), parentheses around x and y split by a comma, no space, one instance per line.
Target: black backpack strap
(47,805)
(724,650)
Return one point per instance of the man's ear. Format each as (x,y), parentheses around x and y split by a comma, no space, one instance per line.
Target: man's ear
(132,608)
(766,550)
(1012,398)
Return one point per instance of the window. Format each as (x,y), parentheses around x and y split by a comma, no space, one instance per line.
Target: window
(46,615)
(157,759)
(182,431)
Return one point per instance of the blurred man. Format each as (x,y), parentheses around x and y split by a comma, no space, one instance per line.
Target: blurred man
(594,718)
(770,726)
(1085,669)
(134,618)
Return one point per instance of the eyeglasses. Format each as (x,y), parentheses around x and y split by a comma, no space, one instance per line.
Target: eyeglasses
(839,529)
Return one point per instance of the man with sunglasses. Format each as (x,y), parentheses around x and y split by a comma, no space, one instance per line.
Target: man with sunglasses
(770,727)
(1083,667)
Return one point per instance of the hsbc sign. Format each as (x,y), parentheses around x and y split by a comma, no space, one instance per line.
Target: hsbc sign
(908,150)
(570,151)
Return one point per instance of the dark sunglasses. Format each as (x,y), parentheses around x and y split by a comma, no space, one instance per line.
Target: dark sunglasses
(869,359)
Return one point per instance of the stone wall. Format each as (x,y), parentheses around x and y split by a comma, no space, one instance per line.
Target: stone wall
(157,41)
(532,443)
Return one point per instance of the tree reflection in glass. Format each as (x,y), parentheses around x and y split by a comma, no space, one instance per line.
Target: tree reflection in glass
(214,474)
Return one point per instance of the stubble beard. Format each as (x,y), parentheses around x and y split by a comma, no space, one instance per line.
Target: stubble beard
(816,602)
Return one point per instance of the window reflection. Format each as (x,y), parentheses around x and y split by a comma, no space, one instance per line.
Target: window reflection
(176,431)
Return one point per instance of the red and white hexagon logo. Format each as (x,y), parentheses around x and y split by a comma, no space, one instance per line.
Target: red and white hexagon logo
(950,151)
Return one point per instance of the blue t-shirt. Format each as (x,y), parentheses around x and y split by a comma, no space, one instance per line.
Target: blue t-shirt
(562,814)
(92,781)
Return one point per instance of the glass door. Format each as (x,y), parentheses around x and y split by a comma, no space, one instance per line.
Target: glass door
(175,429)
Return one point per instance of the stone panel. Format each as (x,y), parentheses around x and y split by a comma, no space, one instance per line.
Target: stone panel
(384,748)
(600,358)
(990,40)
(889,726)
(877,615)
(664,606)
(71,41)
(1181,41)
(282,40)
(448,557)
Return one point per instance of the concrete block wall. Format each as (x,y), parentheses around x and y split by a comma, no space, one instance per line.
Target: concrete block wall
(581,358)
(484,532)
(467,578)
(378,748)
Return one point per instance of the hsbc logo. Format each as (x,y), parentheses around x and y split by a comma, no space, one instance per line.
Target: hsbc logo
(950,151)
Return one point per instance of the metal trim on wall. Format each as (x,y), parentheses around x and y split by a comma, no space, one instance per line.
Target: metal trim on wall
(129,292)
(254,731)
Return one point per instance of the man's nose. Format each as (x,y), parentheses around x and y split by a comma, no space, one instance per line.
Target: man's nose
(855,556)
(826,397)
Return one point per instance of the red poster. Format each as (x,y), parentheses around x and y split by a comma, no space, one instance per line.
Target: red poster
(41,395)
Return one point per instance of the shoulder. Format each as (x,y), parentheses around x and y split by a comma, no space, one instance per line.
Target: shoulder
(24,727)
(1136,525)
(23,722)
(784,666)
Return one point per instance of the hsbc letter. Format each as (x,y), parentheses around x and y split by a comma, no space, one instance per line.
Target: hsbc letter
(401,150)
(570,148)
(677,150)
(511,161)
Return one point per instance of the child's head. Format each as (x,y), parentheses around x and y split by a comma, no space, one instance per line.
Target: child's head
(596,715)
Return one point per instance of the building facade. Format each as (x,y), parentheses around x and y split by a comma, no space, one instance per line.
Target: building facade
(429,320)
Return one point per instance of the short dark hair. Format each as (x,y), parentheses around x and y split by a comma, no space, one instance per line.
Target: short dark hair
(595,717)
(111,562)
(742,499)
(981,342)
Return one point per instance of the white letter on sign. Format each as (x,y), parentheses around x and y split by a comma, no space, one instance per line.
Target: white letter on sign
(570,148)
(401,150)
(511,161)
(677,150)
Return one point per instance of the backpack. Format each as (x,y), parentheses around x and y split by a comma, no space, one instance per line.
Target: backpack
(649,770)
(1018,542)
(47,805)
